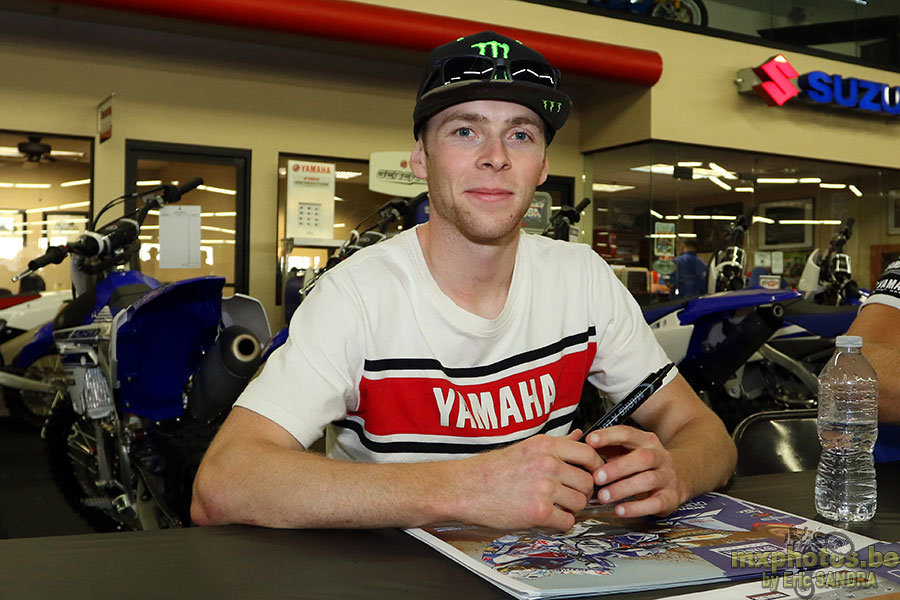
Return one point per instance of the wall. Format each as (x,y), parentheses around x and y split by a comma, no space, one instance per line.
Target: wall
(172,87)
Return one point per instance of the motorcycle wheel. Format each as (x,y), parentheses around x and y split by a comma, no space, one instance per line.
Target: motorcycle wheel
(31,408)
(71,448)
(692,12)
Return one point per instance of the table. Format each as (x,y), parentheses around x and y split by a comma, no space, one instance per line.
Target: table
(239,561)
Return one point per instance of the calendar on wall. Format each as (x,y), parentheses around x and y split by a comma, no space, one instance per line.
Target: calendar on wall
(310,199)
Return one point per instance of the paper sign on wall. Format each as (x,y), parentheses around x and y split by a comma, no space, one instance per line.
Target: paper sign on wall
(179,237)
(310,199)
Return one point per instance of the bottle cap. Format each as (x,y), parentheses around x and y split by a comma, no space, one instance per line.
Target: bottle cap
(848,341)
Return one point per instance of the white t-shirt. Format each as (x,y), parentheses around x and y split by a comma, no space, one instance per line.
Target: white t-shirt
(887,288)
(398,372)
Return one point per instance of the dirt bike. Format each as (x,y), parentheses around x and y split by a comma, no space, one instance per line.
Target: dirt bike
(149,372)
(682,11)
(828,279)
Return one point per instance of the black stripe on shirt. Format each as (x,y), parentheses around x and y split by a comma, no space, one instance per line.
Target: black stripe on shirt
(440,447)
(432,364)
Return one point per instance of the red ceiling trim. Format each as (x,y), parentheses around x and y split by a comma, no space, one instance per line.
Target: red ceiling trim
(368,23)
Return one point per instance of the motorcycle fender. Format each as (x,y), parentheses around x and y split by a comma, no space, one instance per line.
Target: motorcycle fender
(41,344)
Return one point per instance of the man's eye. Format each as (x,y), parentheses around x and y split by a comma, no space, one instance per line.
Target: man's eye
(464,132)
(521,136)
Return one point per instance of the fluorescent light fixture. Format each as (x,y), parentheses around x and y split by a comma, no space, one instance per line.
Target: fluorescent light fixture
(833,186)
(664,169)
(672,217)
(690,163)
(145,237)
(147,182)
(76,182)
(723,217)
(661,235)
(339,199)
(222,229)
(346,174)
(763,220)
(722,171)
(339,225)
(655,214)
(76,204)
(216,190)
(227,213)
(855,190)
(720,183)
(809,222)
(777,180)
(3,184)
(216,241)
(33,186)
(697,217)
(610,187)
(155,213)
(810,180)
(555,208)
(687,235)
(744,189)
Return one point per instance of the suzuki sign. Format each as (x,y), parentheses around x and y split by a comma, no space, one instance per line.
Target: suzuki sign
(776,82)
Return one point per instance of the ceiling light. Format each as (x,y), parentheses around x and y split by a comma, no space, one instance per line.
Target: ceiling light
(777,180)
(3,184)
(720,183)
(661,235)
(33,186)
(76,204)
(76,182)
(833,186)
(763,220)
(687,235)
(810,180)
(149,182)
(222,229)
(346,174)
(655,214)
(855,191)
(808,222)
(610,187)
(744,189)
(339,225)
(690,163)
(217,190)
(697,217)
(672,217)
(723,217)
(721,171)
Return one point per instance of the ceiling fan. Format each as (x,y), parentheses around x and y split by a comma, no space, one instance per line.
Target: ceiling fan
(34,151)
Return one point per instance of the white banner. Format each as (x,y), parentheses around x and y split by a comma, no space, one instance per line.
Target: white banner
(390,173)
(310,199)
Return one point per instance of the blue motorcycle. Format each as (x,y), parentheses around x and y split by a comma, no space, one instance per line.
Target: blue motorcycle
(150,371)
(692,12)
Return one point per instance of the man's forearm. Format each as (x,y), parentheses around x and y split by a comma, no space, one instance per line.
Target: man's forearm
(885,358)
(704,455)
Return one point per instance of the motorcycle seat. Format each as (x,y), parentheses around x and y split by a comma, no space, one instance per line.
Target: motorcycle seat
(75,313)
(819,319)
(655,312)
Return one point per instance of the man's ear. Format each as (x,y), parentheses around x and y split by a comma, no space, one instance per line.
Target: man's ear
(417,160)
(544,171)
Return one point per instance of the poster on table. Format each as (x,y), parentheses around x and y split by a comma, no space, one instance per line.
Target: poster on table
(310,200)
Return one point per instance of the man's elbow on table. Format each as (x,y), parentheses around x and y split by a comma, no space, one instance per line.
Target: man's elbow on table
(209,492)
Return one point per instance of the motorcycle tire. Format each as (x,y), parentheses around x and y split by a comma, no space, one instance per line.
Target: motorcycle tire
(70,447)
(31,408)
(691,12)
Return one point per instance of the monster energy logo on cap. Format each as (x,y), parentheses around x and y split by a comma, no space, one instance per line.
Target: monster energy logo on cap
(494,46)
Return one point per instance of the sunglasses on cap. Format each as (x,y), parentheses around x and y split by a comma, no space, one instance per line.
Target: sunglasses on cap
(480,68)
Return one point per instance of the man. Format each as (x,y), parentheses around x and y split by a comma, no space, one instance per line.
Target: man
(447,362)
(689,278)
(878,322)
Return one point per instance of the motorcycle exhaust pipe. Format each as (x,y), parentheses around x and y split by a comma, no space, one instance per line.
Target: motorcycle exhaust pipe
(224,373)
(23,383)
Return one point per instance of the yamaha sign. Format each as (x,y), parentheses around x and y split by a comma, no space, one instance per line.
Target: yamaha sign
(776,81)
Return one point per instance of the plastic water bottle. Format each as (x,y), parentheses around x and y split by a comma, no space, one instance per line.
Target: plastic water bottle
(848,426)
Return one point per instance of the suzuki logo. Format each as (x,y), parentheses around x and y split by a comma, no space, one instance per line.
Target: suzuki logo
(779,88)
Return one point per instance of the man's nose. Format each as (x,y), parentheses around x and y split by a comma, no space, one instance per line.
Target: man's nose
(494,154)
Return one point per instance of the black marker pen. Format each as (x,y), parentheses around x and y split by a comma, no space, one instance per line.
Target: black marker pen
(624,409)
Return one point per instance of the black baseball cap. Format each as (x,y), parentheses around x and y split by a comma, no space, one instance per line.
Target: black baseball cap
(490,66)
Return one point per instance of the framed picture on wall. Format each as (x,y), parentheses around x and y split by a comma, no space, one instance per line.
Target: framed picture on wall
(894,212)
(783,228)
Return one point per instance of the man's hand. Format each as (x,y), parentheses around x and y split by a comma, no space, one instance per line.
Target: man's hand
(639,466)
(542,481)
